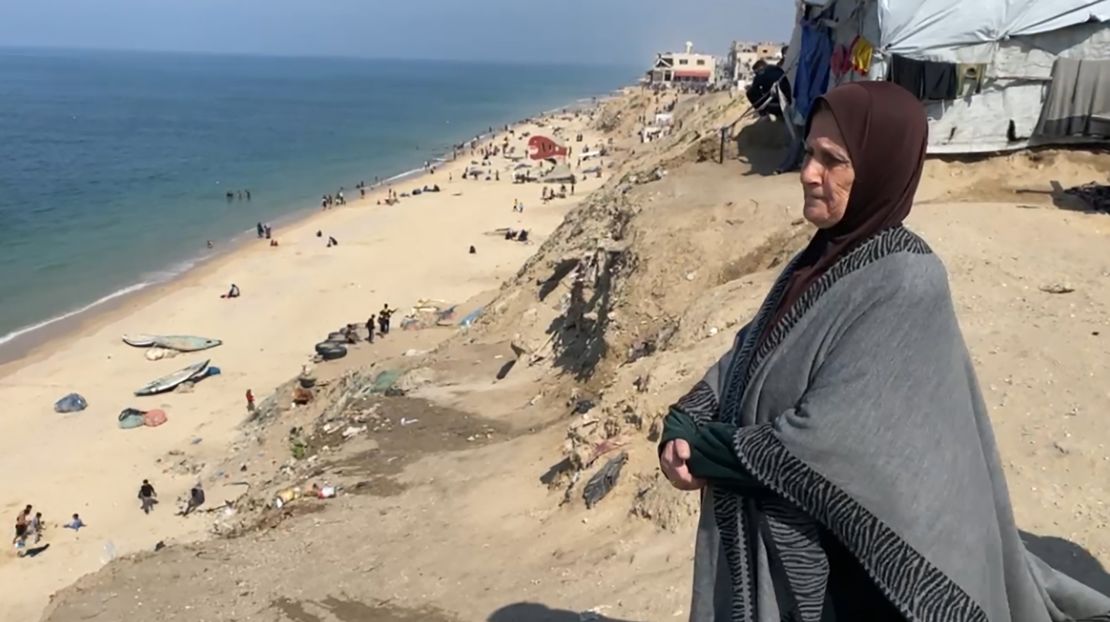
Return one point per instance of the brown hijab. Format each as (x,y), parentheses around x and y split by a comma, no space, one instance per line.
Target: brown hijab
(885,131)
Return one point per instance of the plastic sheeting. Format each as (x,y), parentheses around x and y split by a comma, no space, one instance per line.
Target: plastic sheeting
(915,27)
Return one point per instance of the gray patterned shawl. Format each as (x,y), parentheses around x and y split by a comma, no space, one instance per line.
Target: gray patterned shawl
(860,414)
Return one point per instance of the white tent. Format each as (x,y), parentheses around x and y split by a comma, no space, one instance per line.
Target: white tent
(1017,40)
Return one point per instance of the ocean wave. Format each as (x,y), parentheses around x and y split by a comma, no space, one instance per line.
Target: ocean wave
(15,334)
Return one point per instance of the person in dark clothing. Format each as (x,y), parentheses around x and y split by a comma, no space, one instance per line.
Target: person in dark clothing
(147,496)
(383,319)
(261,230)
(370,329)
(761,93)
(196,499)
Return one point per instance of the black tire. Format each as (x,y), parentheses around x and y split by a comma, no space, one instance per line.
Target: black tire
(337,337)
(330,351)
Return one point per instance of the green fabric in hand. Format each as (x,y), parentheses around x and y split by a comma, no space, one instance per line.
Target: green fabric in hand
(711,455)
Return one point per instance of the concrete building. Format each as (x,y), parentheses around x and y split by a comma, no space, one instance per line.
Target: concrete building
(687,68)
(742,56)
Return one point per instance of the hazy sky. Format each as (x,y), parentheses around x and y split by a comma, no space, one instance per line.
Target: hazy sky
(616,31)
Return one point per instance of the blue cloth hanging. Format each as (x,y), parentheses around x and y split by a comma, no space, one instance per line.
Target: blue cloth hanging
(814,60)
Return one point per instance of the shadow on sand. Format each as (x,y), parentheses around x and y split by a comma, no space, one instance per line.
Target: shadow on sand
(535,612)
(762,146)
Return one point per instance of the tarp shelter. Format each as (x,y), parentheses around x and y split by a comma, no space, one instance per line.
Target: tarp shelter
(985,66)
(559,174)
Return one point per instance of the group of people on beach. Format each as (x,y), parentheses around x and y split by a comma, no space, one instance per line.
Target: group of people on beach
(31,528)
(329,201)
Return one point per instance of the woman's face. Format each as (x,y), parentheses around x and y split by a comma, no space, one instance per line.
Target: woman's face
(827,172)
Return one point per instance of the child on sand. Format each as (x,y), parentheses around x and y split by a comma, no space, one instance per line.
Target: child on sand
(147,496)
(75,523)
(37,526)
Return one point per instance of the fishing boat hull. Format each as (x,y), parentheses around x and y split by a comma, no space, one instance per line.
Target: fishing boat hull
(181,343)
(170,382)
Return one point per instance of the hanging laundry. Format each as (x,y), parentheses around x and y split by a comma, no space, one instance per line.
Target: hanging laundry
(940,81)
(861,54)
(840,63)
(928,80)
(814,63)
(969,78)
(1078,102)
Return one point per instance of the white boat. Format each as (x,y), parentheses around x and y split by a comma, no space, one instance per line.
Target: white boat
(169,382)
(181,343)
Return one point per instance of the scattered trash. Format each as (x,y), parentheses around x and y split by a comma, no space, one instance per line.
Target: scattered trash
(471,318)
(159,546)
(1057,288)
(302,396)
(195,440)
(385,381)
(604,480)
(405,422)
(352,430)
(582,407)
(70,404)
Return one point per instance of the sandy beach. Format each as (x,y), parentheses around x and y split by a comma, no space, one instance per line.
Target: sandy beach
(292,296)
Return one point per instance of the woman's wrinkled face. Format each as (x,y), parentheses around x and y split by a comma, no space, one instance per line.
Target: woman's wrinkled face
(827,173)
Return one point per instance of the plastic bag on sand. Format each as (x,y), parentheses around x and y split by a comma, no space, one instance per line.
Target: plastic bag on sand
(157,354)
(471,318)
(70,404)
(154,418)
(131,418)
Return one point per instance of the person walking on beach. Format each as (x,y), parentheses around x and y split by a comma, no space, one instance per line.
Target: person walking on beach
(370,328)
(147,496)
(21,522)
(383,319)
(250,402)
(37,527)
(261,230)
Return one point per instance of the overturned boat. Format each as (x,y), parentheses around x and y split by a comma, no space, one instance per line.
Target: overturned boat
(181,343)
(170,382)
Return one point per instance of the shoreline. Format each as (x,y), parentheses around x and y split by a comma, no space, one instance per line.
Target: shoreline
(24,343)
(292,296)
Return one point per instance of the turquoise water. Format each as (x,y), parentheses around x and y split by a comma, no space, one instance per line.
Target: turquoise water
(114,166)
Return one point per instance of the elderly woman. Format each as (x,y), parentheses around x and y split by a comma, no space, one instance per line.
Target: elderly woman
(843,448)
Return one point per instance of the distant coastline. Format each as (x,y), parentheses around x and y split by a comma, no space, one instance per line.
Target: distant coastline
(26,337)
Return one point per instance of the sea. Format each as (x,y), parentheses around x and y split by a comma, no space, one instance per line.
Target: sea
(115,166)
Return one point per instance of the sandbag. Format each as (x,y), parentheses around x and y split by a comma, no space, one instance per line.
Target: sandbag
(70,404)
(154,418)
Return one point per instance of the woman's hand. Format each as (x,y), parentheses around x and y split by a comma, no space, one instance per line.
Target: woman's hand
(673,462)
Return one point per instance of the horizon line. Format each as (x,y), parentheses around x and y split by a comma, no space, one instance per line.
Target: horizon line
(311,56)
